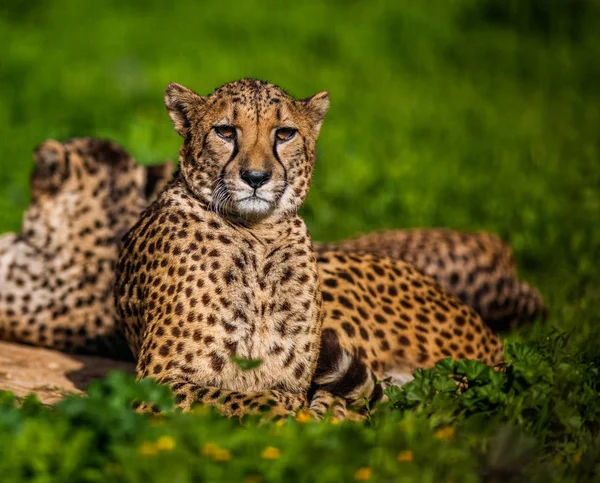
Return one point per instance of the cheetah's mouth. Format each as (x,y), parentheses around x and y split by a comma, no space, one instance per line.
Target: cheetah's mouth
(253,197)
(254,205)
(251,204)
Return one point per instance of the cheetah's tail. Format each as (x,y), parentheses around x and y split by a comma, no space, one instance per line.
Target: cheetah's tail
(530,305)
(524,304)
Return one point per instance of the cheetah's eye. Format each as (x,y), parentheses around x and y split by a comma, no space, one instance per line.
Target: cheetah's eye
(285,133)
(225,132)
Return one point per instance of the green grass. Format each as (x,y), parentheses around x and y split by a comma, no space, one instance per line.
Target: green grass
(471,114)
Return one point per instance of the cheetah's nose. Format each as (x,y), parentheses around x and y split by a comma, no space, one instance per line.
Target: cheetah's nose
(255,179)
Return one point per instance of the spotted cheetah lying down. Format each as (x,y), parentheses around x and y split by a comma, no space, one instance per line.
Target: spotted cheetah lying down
(57,275)
(222,267)
(478,268)
(29,311)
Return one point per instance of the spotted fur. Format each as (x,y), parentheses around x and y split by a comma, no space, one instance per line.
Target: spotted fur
(384,319)
(339,322)
(57,274)
(478,268)
(217,268)
(222,267)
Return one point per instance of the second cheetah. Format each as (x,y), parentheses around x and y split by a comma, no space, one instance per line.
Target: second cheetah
(479,268)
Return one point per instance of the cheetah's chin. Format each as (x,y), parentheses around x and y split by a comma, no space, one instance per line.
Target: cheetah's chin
(254,206)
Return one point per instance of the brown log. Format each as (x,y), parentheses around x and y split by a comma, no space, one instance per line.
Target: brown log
(49,374)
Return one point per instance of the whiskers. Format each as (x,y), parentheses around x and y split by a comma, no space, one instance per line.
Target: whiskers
(221,201)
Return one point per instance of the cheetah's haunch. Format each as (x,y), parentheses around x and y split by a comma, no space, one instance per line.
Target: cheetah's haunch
(479,268)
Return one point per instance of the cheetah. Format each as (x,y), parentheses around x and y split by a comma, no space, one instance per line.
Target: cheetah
(479,268)
(221,267)
(156,178)
(57,274)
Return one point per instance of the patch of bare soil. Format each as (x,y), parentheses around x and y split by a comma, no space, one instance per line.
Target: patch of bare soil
(50,374)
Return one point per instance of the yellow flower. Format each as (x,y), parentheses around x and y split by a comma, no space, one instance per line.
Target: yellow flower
(270,453)
(363,474)
(447,432)
(280,422)
(577,458)
(303,417)
(217,453)
(209,449)
(165,443)
(148,449)
(222,455)
(334,421)
(406,456)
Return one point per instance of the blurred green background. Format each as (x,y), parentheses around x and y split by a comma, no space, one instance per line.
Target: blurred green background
(471,114)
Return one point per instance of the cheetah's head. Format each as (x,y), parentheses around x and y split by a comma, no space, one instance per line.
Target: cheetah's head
(89,185)
(249,147)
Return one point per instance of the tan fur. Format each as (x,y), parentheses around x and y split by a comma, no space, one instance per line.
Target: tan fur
(56,276)
(478,268)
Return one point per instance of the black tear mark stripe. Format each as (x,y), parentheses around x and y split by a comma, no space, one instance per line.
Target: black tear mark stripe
(234,153)
(276,154)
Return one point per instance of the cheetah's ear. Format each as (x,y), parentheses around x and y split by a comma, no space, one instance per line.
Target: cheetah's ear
(50,152)
(51,166)
(184,106)
(316,107)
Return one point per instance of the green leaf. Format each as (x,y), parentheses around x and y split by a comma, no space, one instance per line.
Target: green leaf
(446,366)
(246,364)
(474,371)
(444,384)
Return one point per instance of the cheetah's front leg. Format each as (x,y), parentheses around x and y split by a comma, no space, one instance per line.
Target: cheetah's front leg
(324,402)
(235,403)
